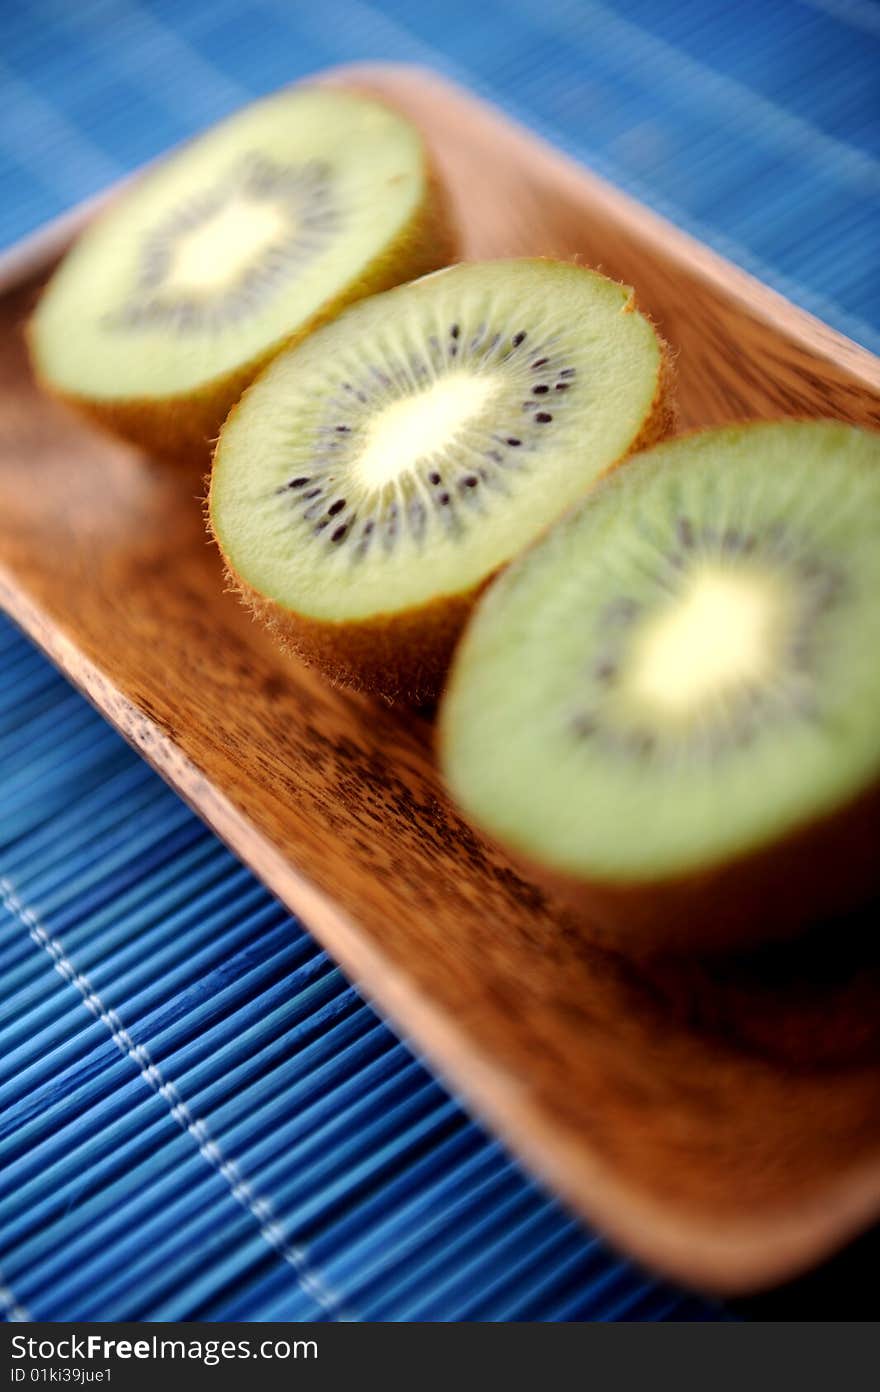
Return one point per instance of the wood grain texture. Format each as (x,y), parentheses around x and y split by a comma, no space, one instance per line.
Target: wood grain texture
(720,1118)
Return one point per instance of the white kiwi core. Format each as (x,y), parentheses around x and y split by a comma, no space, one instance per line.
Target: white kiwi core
(433,419)
(209,257)
(723,633)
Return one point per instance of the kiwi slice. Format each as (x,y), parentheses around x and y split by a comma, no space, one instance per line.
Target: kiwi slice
(376,476)
(672,703)
(172,301)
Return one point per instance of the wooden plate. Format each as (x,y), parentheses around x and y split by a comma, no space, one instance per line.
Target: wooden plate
(723,1120)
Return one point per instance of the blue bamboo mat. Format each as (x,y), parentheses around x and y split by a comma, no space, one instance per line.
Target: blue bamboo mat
(199,1116)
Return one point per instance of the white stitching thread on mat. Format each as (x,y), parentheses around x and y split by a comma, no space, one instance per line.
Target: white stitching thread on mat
(259,1208)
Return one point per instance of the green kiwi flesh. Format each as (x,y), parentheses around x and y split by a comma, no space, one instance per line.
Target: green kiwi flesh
(386,467)
(173,299)
(682,682)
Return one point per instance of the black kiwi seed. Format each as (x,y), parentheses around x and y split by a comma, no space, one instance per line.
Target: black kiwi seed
(567,372)
(543,417)
(390,524)
(517,339)
(434,477)
(584,726)
(336,507)
(540,390)
(811,569)
(443,499)
(512,440)
(299,482)
(454,331)
(799,651)
(563,386)
(621,611)
(539,362)
(470,481)
(343,430)
(831,589)
(339,534)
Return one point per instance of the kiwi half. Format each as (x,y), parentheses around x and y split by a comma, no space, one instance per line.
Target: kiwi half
(672,704)
(172,301)
(375,477)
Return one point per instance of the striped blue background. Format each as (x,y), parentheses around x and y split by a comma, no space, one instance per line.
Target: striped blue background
(199,1116)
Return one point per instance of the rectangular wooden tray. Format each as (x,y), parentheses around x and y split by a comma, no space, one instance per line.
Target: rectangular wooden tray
(723,1122)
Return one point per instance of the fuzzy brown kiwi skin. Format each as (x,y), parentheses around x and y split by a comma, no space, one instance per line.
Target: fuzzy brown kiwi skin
(403,657)
(824,871)
(184,429)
